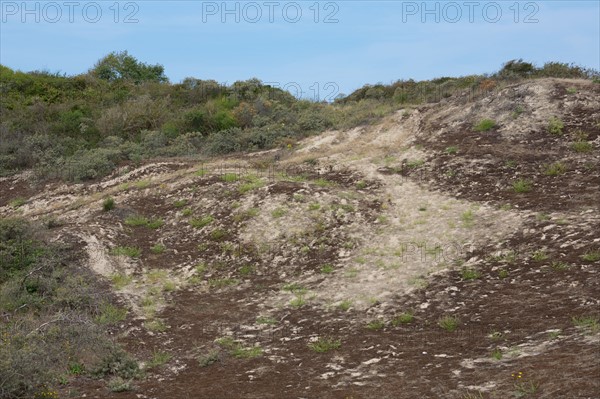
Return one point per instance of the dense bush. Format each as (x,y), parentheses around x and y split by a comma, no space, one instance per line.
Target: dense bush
(49,304)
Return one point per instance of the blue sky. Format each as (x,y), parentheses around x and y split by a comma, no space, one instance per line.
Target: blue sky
(364,41)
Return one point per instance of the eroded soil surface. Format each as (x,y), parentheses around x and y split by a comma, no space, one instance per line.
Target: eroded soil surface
(405,246)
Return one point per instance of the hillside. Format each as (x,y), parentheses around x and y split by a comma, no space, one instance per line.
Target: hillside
(444,250)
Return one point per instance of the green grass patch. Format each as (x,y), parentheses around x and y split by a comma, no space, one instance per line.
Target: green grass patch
(110,314)
(230,177)
(327,268)
(132,252)
(581,146)
(180,203)
(448,323)
(555,126)
(469,274)
(589,323)
(120,280)
(325,344)
(376,324)
(484,125)
(157,249)
(279,212)
(108,204)
(591,256)
(199,223)
(403,318)
(555,169)
(521,186)
(159,358)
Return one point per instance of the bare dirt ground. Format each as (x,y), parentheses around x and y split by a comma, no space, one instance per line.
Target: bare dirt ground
(404,245)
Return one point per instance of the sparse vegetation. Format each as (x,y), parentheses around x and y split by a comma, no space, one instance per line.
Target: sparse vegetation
(589,324)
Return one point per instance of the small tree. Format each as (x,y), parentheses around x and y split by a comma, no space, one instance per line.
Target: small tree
(122,66)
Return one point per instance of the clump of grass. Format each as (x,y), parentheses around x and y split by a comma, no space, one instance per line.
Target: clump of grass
(327,268)
(559,266)
(448,323)
(484,125)
(201,222)
(209,358)
(279,212)
(139,220)
(581,146)
(322,182)
(251,185)
(361,184)
(119,384)
(110,314)
(469,274)
(467,218)
(555,169)
(298,302)
(314,206)
(136,221)
(230,177)
(539,255)
(157,249)
(591,256)
(108,204)
(521,186)
(588,323)
(222,282)
(555,126)
(503,273)
(159,358)
(451,150)
(345,305)
(246,270)
(120,280)
(132,252)
(403,318)
(294,288)
(180,203)
(155,325)
(325,344)
(218,234)
(415,163)
(376,324)
(266,320)
(142,184)
(187,212)
(236,349)
(497,354)
(155,223)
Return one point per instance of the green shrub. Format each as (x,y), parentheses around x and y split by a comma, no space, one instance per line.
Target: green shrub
(108,204)
(555,126)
